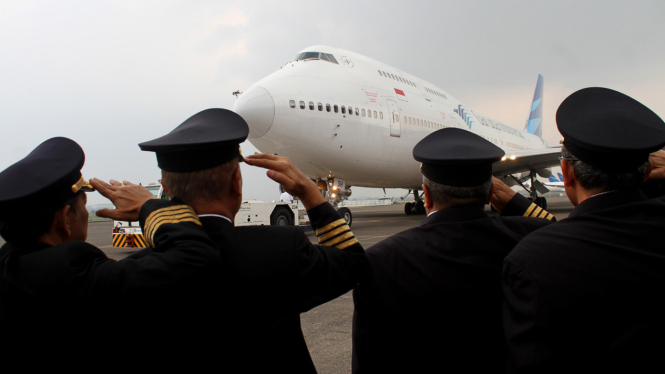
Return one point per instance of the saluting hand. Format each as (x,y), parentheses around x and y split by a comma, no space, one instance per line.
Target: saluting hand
(501,194)
(127,197)
(284,172)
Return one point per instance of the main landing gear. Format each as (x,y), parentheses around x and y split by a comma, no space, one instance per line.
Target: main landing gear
(336,191)
(535,187)
(417,207)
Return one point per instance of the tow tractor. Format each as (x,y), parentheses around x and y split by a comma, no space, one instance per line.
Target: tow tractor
(251,213)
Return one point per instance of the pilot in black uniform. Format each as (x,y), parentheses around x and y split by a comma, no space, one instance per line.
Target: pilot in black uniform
(433,300)
(585,294)
(269,275)
(60,296)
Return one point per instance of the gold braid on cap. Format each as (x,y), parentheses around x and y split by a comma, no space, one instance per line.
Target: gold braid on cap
(80,184)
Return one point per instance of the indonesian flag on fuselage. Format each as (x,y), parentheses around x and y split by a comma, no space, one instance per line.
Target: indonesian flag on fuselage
(399,92)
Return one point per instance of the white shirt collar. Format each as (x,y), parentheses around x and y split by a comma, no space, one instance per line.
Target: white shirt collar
(216,215)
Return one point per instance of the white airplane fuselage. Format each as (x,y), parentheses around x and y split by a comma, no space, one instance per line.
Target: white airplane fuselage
(366,151)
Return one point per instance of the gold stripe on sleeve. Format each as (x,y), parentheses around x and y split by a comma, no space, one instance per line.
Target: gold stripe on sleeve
(347,243)
(536,212)
(543,214)
(529,210)
(330,234)
(330,226)
(334,241)
(173,214)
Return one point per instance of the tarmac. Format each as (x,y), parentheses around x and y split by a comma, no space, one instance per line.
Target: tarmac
(327,328)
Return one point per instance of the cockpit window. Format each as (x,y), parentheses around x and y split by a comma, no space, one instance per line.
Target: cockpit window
(316,56)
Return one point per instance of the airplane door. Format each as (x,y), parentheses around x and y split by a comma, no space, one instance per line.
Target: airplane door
(393,116)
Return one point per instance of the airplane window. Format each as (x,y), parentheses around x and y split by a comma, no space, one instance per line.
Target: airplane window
(404,119)
(375,114)
(357,112)
(391,75)
(335,108)
(331,58)
(302,104)
(324,57)
(320,106)
(363,112)
(311,105)
(409,120)
(327,107)
(343,110)
(381,115)
(350,111)
(380,72)
(292,103)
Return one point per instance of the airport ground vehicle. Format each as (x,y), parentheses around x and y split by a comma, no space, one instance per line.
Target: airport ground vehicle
(251,213)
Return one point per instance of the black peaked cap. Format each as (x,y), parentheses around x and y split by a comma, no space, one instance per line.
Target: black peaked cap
(456,157)
(609,130)
(207,139)
(49,174)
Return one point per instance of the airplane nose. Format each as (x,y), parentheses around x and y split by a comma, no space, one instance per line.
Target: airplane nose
(257,108)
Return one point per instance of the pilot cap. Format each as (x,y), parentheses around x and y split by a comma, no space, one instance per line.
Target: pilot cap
(49,174)
(456,157)
(609,130)
(205,140)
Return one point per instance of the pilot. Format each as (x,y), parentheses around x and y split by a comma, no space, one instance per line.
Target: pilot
(433,301)
(269,275)
(585,294)
(57,291)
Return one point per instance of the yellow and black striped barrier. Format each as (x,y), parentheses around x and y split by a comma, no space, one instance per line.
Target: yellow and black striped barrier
(129,240)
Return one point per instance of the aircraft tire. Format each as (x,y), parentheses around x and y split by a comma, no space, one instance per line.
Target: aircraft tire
(541,202)
(407,209)
(281,217)
(420,207)
(346,214)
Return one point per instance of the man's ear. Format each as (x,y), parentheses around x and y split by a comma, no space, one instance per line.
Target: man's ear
(61,222)
(429,203)
(236,182)
(166,190)
(568,173)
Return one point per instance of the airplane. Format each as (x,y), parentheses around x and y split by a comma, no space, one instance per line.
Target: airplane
(347,120)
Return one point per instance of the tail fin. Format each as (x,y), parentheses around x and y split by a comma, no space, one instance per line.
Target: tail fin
(553,179)
(534,124)
(560,176)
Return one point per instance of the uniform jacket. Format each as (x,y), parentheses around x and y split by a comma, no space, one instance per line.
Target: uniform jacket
(585,294)
(268,276)
(433,302)
(71,299)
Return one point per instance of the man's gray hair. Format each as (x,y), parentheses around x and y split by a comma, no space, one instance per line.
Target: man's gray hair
(450,195)
(592,178)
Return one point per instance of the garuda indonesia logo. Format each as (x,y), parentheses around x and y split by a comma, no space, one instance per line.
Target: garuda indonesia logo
(465,114)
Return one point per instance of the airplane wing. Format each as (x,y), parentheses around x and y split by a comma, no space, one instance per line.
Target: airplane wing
(525,160)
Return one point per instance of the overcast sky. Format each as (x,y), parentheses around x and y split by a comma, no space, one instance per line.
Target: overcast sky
(111,74)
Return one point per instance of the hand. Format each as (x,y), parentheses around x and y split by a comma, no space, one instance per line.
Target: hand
(658,160)
(282,171)
(501,194)
(127,197)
